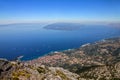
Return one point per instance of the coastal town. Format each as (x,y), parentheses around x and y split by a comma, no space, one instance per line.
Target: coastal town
(96,61)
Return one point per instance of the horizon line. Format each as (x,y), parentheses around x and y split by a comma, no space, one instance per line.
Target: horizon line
(55,21)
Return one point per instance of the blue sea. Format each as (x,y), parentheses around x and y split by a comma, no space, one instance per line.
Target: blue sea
(33,41)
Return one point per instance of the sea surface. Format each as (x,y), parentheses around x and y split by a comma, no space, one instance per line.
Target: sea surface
(33,41)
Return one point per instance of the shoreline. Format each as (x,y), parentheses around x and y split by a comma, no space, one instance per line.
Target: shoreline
(86,44)
(20,58)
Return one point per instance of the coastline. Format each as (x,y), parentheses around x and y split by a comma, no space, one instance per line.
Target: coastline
(21,58)
(96,59)
(72,49)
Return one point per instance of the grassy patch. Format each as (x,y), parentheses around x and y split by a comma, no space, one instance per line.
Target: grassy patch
(21,73)
(62,75)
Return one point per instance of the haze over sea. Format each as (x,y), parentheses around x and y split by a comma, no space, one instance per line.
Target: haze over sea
(24,29)
(33,40)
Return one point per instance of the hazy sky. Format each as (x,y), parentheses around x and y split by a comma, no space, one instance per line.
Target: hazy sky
(59,10)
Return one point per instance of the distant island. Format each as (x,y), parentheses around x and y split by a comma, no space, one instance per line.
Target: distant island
(63,26)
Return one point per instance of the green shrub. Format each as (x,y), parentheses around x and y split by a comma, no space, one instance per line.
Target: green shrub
(15,78)
(41,70)
(62,75)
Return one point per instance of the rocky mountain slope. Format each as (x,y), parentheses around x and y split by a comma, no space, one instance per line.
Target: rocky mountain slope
(12,70)
(96,61)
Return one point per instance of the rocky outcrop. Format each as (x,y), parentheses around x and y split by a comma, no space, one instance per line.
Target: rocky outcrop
(23,71)
(5,68)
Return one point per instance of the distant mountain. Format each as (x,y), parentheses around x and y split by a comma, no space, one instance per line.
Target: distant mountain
(22,24)
(63,26)
(115,24)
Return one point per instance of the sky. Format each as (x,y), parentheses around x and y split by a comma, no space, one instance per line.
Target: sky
(19,11)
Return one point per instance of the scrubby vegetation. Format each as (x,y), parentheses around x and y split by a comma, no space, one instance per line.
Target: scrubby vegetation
(98,61)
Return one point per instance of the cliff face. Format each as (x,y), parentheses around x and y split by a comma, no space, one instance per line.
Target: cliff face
(100,60)
(97,61)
